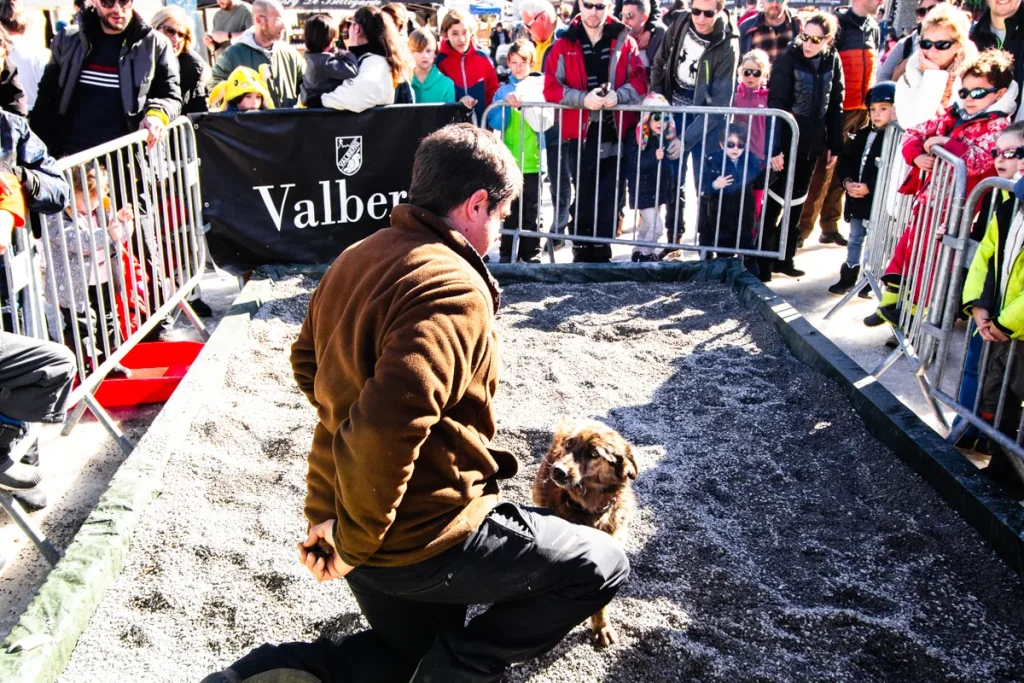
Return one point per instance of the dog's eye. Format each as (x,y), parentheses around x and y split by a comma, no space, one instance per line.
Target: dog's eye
(592,454)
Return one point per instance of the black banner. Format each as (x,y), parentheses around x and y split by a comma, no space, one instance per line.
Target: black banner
(299,186)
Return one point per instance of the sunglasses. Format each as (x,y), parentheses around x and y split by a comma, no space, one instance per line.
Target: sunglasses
(922,12)
(734,145)
(172,32)
(756,73)
(594,6)
(109,4)
(814,40)
(629,16)
(658,116)
(1016,153)
(937,44)
(975,93)
(709,13)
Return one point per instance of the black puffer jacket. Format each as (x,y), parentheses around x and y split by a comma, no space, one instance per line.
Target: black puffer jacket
(853,166)
(814,96)
(193,90)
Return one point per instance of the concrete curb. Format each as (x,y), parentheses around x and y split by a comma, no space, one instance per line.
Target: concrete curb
(66,601)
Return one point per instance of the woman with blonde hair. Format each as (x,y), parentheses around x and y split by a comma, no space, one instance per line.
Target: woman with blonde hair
(175,25)
(932,78)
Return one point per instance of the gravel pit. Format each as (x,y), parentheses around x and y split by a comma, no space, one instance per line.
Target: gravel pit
(775,540)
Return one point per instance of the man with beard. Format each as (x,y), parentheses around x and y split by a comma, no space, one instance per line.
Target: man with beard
(263,44)
(636,15)
(109,74)
(231,21)
(771,29)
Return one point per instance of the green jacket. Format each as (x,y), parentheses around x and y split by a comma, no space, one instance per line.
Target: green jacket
(286,67)
(437,89)
(986,287)
(514,130)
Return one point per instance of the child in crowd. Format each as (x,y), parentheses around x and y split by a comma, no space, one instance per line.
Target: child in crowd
(727,204)
(992,296)
(244,90)
(524,143)
(460,60)
(93,266)
(968,129)
(429,85)
(859,173)
(752,93)
(325,68)
(650,174)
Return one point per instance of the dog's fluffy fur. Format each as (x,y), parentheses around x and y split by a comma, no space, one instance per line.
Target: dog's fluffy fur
(585,479)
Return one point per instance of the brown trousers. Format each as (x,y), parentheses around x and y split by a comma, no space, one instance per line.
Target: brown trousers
(825,196)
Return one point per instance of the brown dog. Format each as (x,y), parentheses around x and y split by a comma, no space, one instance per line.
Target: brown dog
(584,478)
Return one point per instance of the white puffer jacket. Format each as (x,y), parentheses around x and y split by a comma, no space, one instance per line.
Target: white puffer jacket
(371,87)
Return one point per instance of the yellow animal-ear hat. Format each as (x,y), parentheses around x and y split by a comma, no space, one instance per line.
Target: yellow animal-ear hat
(242,81)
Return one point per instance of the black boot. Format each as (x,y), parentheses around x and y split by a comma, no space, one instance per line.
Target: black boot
(847,279)
(787,268)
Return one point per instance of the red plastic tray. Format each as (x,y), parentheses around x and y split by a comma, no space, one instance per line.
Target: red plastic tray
(157,368)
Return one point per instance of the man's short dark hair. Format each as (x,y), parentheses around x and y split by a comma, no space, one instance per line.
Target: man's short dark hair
(644,5)
(456,161)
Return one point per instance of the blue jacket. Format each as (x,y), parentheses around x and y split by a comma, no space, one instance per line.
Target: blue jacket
(726,218)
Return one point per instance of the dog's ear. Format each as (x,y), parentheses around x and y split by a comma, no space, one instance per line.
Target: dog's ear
(627,463)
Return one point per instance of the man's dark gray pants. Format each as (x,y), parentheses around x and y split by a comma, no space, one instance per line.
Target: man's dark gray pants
(541,575)
(35,378)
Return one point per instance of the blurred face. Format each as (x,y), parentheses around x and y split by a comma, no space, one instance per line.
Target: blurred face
(519,67)
(752,75)
(880,113)
(973,106)
(251,102)
(871,7)
(115,18)
(1001,9)
(813,40)
(1008,168)
(269,26)
(593,13)
(734,147)
(225,4)
(939,37)
(923,7)
(458,36)
(424,60)
(701,22)
(634,18)
(773,10)
(175,32)
(540,26)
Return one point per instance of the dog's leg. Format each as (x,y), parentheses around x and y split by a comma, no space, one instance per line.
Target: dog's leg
(601,632)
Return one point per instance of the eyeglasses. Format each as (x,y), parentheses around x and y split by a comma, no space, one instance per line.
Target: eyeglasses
(597,6)
(937,44)
(756,73)
(109,4)
(172,32)
(709,13)
(975,93)
(734,145)
(1016,153)
(814,40)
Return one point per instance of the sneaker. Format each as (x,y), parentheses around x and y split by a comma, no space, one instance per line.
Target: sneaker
(31,499)
(833,238)
(17,477)
(201,308)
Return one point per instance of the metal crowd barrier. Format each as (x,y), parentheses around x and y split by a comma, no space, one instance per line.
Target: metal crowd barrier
(933,375)
(110,274)
(727,238)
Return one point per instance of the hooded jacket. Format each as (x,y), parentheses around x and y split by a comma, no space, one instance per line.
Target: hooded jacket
(399,356)
(565,76)
(435,89)
(325,71)
(716,73)
(983,37)
(472,73)
(148,75)
(650,180)
(286,67)
(992,283)
(857,44)
(814,96)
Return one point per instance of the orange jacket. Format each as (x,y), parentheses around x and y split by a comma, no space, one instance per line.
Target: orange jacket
(857,44)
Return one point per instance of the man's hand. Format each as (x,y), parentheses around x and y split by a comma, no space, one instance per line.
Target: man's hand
(611,99)
(925,162)
(312,557)
(674,149)
(644,40)
(155,127)
(594,100)
(219,36)
(778,163)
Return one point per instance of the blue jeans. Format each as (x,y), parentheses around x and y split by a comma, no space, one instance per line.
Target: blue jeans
(857,233)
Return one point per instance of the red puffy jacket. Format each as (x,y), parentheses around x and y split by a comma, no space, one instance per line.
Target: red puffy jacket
(472,73)
(565,75)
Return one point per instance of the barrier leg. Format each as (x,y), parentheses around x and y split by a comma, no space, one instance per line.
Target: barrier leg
(73,417)
(887,363)
(861,282)
(17,513)
(108,423)
(186,308)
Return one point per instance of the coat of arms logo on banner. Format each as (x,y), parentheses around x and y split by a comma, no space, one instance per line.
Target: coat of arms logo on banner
(349,154)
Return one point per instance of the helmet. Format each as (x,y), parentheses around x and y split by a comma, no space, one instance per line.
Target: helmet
(882,92)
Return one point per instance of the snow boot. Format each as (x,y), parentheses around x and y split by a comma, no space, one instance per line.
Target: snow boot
(888,311)
(847,279)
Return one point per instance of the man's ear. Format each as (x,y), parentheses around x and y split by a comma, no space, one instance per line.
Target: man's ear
(479,203)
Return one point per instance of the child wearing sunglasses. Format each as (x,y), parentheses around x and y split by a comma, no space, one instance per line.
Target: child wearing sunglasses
(752,93)
(651,175)
(968,130)
(727,203)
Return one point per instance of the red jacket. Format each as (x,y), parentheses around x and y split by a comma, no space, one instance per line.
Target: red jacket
(565,75)
(472,72)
